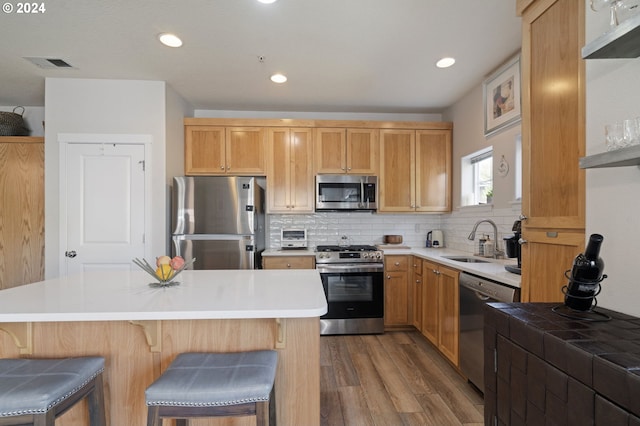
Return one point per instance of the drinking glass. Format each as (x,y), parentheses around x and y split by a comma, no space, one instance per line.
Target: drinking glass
(630,131)
(613,136)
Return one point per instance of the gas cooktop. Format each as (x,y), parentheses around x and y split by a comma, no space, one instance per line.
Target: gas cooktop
(346,248)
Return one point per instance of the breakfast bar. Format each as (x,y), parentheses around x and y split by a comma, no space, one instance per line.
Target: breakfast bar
(140,329)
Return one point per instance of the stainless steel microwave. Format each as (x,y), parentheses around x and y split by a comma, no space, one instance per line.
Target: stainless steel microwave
(346,192)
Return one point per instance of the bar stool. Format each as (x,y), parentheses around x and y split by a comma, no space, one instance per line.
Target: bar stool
(215,385)
(36,391)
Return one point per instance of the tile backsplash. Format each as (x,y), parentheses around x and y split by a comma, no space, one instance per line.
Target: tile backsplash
(369,228)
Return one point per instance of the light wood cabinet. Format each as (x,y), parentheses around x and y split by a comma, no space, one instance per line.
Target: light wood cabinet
(396,290)
(353,151)
(415,293)
(22,211)
(553,140)
(290,171)
(415,171)
(289,262)
(441,308)
(213,150)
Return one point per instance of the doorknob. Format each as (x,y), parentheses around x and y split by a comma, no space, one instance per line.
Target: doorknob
(70,254)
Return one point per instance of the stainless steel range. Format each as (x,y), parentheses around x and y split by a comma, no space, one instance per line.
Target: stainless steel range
(353,281)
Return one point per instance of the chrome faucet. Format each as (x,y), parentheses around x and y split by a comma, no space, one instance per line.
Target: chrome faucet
(472,236)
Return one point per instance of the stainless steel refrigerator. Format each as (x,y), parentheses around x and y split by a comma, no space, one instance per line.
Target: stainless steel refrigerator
(219,221)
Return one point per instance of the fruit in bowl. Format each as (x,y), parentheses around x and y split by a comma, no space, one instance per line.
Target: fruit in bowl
(165,270)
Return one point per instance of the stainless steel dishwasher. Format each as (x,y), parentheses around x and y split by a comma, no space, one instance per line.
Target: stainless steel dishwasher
(475,291)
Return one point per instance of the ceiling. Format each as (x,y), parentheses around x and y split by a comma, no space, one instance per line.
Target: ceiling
(339,55)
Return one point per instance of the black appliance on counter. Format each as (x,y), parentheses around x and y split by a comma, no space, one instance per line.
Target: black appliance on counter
(353,281)
(512,247)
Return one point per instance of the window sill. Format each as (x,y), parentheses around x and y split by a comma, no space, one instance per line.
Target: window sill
(476,208)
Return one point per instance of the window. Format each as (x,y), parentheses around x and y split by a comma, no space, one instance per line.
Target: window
(477,178)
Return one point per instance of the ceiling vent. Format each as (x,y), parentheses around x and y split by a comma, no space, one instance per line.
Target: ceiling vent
(50,63)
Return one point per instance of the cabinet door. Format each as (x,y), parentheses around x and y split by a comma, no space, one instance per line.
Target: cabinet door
(22,211)
(397,171)
(301,176)
(204,150)
(279,171)
(246,151)
(330,151)
(430,301)
(396,294)
(288,262)
(448,313)
(362,151)
(415,291)
(545,258)
(433,170)
(289,171)
(553,122)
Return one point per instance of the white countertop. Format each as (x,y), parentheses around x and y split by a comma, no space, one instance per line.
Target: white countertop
(493,269)
(126,295)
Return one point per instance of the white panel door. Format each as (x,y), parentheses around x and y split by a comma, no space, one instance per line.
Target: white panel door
(105,206)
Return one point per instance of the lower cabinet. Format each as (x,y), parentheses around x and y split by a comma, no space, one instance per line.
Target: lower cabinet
(396,290)
(289,262)
(441,308)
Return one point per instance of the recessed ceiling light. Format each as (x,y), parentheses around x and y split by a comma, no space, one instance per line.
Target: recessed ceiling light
(278,78)
(267,1)
(170,40)
(445,62)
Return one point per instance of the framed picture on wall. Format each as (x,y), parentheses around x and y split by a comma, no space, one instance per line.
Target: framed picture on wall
(501,94)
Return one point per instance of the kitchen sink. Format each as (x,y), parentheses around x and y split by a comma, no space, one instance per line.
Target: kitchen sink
(466,259)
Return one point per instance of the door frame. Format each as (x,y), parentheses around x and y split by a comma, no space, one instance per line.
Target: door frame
(64,140)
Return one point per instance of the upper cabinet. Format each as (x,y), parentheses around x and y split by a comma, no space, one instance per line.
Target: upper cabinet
(289,171)
(353,151)
(212,150)
(415,171)
(553,140)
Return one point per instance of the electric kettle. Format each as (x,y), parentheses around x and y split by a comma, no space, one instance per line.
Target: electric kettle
(435,239)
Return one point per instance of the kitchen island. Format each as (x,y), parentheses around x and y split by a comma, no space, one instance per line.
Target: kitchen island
(140,329)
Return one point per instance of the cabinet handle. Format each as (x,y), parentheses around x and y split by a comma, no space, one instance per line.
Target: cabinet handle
(388,277)
(221,167)
(522,217)
(288,265)
(397,263)
(349,169)
(418,281)
(228,167)
(522,241)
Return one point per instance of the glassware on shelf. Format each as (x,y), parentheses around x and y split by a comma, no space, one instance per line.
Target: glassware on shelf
(620,10)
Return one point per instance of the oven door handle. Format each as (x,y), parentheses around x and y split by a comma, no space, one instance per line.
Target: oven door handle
(350,268)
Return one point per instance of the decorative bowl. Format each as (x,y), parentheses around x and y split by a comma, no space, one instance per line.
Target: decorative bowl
(167,279)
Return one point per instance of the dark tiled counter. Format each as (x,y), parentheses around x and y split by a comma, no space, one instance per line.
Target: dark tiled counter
(550,369)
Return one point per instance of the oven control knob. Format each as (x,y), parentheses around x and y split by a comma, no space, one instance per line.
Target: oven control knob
(365,255)
(378,255)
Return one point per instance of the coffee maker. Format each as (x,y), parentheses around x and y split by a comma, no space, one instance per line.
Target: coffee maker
(512,247)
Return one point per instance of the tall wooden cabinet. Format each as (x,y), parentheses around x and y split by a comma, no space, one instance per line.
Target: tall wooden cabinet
(353,151)
(396,290)
(290,171)
(441,308)
(415,171)
(553,140)
(212,150)
(22,211)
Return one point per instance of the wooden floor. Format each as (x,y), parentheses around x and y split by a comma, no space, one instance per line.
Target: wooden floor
(396,378)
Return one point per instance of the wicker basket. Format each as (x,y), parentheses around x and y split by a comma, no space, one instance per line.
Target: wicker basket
(12,123)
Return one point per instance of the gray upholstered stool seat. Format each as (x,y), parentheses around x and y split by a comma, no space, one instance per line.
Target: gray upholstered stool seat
(215,384)
(36,391)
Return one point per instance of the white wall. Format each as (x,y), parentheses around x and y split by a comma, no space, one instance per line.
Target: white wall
(201,113)
(613,201)
(103,107)
(467,115)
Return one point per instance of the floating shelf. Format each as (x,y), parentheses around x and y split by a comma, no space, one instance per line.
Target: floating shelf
(629,156)
(622,41)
